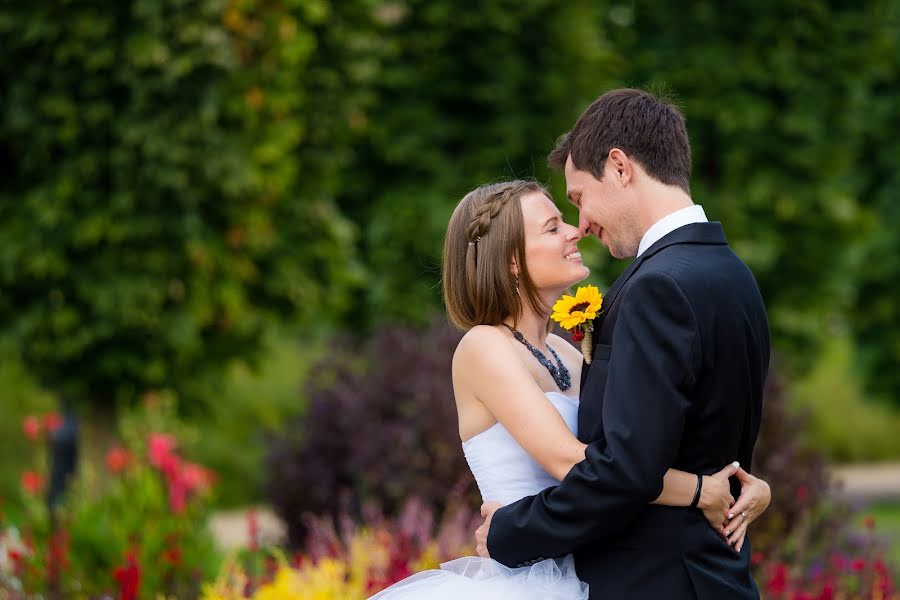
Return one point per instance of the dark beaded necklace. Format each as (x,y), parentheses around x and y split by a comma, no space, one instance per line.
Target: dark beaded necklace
(559,373)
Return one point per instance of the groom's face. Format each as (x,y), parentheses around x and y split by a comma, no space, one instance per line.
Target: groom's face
(605,209)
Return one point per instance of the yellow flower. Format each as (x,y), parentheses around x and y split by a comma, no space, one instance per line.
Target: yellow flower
(571,311)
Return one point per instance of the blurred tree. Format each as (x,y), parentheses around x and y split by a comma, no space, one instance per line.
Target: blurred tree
(461,97)
(165,190)
(875,311)
(790,108)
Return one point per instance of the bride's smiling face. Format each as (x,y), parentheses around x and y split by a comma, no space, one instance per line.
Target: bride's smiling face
(551,246)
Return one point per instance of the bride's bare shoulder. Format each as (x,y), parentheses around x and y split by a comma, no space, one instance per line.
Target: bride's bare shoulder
(479,343)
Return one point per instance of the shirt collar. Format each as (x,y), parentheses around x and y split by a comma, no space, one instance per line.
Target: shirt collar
(671,222)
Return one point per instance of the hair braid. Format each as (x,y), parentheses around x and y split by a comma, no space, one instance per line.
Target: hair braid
(481,220)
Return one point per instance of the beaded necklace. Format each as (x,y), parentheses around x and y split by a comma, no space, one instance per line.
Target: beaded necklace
(559,373)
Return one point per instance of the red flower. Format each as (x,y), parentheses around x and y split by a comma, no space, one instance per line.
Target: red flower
(869,522)
(802,492)
(778,581)
(53,421)
(757,558)
(32,482)
(577,335)
(15,557)
(32,427)
(117,459)
(172,555)
(129,578)
(253,530)
(858,565)
(58,558)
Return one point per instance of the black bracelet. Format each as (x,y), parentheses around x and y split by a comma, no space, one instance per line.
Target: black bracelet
(697,493)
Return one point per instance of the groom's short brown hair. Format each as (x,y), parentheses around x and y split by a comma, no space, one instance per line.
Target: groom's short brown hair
(648,129)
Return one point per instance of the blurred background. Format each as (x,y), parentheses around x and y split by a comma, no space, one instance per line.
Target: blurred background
(224,365)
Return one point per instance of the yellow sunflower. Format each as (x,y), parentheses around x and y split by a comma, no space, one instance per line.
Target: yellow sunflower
(572,311)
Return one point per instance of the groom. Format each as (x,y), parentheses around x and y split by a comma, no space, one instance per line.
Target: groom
(681,353)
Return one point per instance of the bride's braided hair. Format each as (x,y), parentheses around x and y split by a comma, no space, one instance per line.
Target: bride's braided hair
(485,234)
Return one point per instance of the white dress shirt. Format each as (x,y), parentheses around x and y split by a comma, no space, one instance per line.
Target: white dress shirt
(671,222)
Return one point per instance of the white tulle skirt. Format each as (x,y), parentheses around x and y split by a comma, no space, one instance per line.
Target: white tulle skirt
(475,578)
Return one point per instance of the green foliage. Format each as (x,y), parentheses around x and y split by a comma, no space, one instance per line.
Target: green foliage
(789,106)
(19,396)
(783,100)
(252,404)
(841,422)
(461,97)
(155,216)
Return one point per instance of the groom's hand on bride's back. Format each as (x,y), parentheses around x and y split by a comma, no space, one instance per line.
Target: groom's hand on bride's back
(481,534)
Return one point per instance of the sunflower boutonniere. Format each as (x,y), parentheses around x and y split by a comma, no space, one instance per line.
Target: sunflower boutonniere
(576,314)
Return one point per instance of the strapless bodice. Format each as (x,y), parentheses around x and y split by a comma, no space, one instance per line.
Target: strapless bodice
(503,470)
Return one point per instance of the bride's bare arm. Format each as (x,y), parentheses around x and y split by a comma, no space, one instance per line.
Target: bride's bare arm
(487,367)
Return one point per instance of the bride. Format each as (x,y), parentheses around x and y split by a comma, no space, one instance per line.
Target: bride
(508,255)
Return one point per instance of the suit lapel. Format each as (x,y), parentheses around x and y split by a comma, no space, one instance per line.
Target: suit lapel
(696,233)
(613,292)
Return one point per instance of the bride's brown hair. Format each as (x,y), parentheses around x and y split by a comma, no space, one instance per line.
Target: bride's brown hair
(485,235)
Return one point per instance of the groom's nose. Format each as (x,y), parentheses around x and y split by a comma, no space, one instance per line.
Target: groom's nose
(583,225)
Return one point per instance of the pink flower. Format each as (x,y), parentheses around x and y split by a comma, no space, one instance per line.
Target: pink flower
(31,425)
(196,478)
(858,565)
(159,447)
(177,496)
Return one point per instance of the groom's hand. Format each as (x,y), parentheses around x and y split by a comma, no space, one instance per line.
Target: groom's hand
(481,534)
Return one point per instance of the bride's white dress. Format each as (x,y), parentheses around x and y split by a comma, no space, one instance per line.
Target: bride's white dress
(504,473)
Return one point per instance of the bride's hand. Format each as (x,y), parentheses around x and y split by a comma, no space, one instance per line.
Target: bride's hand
(754,499)
(716,499)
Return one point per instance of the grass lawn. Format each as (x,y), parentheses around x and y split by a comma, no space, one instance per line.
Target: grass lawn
(887,523)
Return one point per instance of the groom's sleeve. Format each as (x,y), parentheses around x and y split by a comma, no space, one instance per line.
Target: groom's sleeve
(654,358)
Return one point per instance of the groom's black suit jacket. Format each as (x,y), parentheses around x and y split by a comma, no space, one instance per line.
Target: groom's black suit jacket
(680,358)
